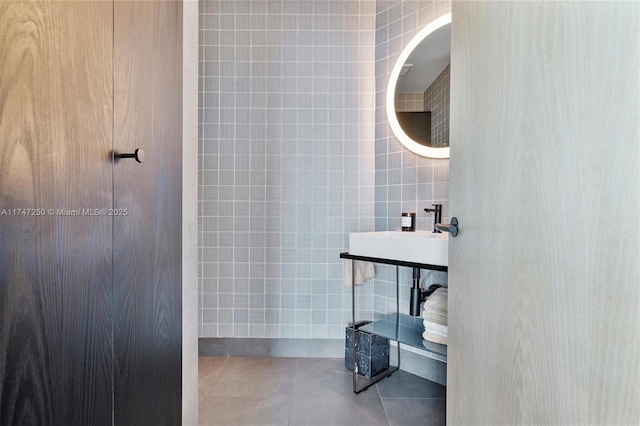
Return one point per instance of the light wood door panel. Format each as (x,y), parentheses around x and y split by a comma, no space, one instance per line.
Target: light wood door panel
(544,296)
(55,269)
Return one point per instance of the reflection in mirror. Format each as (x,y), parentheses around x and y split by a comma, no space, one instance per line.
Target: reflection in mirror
(416,124)
(418,92)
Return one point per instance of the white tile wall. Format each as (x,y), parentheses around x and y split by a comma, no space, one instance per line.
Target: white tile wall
(295,153)
(404,182)
(287,95)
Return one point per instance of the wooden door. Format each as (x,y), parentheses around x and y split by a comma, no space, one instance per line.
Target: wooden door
(55,259)
(148,238)
(544,296)
(90,330)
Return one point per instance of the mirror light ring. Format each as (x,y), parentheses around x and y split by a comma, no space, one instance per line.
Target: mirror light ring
(404,139)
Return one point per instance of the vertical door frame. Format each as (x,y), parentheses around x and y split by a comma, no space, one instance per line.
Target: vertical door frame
(190,212)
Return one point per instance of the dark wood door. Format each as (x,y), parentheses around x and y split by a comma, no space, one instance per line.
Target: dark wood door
(90,276)
(148,239)
(55,260)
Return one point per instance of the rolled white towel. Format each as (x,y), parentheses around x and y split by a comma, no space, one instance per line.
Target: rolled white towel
(435,327)
(435,307)
(435,316)
(434,337)
(434,334)
(362,271)
(437,301)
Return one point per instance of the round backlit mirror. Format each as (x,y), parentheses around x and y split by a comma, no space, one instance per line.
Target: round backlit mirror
(418,91)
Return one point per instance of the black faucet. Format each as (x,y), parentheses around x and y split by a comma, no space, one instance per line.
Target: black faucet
(437,218)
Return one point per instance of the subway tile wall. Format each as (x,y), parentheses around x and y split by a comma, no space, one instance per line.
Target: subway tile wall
(287,144)
(404,182)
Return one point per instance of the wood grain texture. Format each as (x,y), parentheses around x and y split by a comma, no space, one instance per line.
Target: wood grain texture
(148,241)
(55,271)
(544,293)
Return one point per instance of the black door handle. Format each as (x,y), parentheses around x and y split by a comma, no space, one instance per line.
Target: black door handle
(451,228)
(138,155)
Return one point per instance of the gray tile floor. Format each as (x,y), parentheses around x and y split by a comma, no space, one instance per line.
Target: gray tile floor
(310,391)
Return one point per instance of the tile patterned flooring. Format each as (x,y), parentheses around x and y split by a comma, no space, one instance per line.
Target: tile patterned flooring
(310,391)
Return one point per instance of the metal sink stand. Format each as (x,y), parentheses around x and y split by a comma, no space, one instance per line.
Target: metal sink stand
(392,369)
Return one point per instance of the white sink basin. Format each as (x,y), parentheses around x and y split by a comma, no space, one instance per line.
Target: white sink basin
(419,247)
